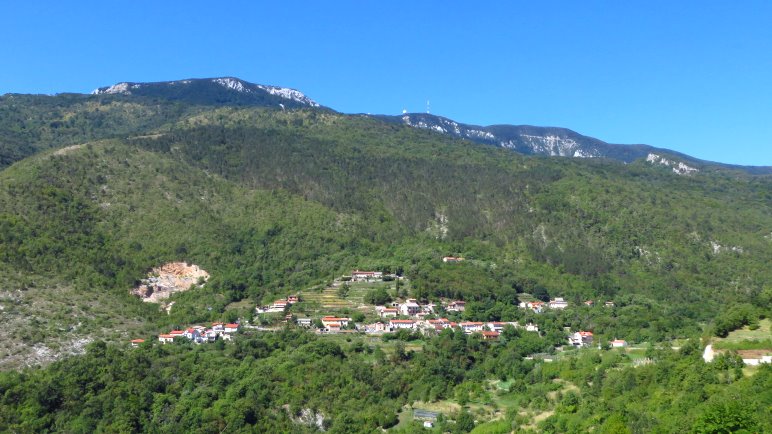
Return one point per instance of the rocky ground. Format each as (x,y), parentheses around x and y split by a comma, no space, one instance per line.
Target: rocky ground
(169,278)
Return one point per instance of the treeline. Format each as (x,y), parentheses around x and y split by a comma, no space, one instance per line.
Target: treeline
(296,382)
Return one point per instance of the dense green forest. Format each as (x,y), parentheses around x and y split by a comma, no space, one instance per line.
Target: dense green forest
(98,190)
(266,383)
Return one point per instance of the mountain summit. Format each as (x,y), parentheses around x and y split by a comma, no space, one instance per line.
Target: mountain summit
(218,91)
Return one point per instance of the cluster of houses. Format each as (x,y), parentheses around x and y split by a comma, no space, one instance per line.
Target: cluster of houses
(278,306)
(489,330)
(200,334)
(411,308)
(585,339)
(557,303)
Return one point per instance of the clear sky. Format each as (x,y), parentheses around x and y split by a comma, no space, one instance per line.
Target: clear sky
(692,76)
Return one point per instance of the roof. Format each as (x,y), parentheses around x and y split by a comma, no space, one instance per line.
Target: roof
(176,332)
(402,321)
(585,333)
(618,341)
(334,318)
(489,333)
(216,324)
(470,323)
(137,341)
(165,336)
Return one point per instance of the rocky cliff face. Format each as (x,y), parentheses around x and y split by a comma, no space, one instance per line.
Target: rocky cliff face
(167,279)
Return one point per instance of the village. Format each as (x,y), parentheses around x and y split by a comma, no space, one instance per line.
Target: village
(407,314)
(340,309)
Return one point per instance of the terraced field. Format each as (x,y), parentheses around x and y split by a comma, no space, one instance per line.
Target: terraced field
(326,299)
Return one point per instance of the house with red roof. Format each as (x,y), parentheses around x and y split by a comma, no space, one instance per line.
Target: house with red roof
(136,342)
(386,312)
(335,321)
(397,324)
(165,338)
(470,327)
(618,343)
(231,328)
(489,335)
(581,339)
(536,306)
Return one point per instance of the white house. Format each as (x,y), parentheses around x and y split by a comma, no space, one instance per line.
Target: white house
(535,306)
(452,259)
(531,327)
(456,306)
(165,338)
(218,327)
(396,324)
(136,342)
(192,334)
(496,326)
(558,303)
(231,328)
(377,327)
(366,276)
(328,321)
(470,327)
(580,339)
(304,322)
(438,324)
(618,343)
(389,311)
(409,308)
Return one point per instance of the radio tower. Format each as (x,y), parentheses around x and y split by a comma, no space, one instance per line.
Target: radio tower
(428,107)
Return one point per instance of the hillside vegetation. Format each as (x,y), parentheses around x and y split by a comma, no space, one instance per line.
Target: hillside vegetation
(267,199)
(273,202)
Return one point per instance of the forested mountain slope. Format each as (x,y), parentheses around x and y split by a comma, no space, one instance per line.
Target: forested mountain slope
(266,199)
(99,190)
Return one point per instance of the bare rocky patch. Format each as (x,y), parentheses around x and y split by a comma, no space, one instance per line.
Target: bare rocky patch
(168,279)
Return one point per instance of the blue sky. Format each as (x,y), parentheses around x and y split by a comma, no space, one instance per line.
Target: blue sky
(693,76)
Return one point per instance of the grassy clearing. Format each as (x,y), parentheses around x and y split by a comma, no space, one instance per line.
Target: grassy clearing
(747,339)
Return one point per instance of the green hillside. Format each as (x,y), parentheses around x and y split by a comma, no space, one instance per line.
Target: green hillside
(272,202)
(266,199)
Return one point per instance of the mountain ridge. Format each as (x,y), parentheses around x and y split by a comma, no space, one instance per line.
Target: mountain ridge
(232,91)
(524,139)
